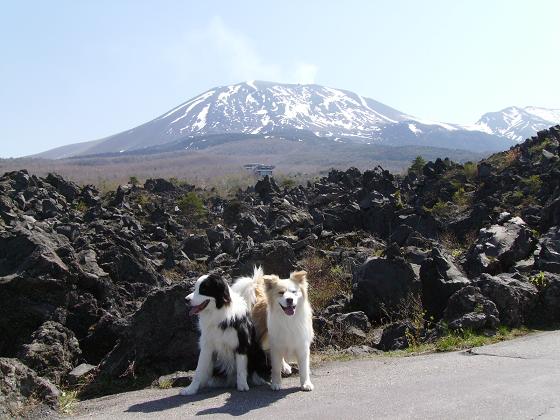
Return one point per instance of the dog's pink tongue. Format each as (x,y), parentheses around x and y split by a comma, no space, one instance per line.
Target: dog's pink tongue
(290,310)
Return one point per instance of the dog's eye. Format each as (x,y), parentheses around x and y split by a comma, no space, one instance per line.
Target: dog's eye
(280,293)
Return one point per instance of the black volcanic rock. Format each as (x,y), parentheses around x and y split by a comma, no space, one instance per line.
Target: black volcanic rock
(160,336)
(68,189)
(381,284)
(274,256)
(20,386)
(515,297)
(548,258)
(440,278)
(159,185)
(53,351)
(498,247)
(468,309)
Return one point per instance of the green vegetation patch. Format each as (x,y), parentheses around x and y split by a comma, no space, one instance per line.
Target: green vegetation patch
(191,205)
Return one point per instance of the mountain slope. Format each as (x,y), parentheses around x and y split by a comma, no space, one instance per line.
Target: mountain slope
(271,109)
(518,123)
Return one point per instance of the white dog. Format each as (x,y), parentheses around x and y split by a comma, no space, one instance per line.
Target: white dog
(228,342)
(283,320)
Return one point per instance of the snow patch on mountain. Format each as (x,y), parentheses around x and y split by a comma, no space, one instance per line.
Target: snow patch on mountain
(518,123)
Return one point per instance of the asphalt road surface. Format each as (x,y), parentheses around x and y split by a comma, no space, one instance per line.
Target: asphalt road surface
(518,379)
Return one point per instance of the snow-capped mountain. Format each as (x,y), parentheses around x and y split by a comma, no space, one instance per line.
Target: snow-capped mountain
(292,111)
(518,123)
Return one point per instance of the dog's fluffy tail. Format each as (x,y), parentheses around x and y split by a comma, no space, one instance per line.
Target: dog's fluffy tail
(247,286)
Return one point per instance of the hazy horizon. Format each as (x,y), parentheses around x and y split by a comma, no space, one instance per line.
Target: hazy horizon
(77,71)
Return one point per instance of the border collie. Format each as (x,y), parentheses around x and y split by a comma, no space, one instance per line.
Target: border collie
(283,320)
(228,344)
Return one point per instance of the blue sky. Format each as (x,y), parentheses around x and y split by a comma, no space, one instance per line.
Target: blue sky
(80,70)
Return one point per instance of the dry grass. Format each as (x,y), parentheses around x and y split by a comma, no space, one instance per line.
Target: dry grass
(67,402)
(456,246)
(326,280)
(505,159)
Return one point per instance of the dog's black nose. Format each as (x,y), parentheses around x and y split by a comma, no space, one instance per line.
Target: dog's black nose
(290,301)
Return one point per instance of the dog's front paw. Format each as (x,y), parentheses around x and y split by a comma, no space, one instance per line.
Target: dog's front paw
(190,390)
(286,369)
(242,387)
(307,386)
(275,386)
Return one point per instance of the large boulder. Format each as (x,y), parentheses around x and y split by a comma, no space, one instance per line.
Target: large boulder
(196,245)
(380,284)
(159,185)
(548,309)
(68,189)
(499,247)
(53,351)
(352,326)
(34,283)
(397,335)
(21,387)
(276,257)
(342,216)
(515,297)
(267,188)
(160,338)
(126,263)
(103,336)
(469,309)
(440,278)
(551,214)
(378,215)
(548,258)
(285,216)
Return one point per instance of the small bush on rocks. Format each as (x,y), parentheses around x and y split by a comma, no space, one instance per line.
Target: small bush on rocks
(191,205)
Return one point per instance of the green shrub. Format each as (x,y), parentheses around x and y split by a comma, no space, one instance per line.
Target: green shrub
(539,280)
(533,183)
(143,199)
(516,197)
(67,402)
(440,208)
(81,206)
(192,205)
(133,181)
(539,147)
(287,183)
(460,198)
(417,165)
(471,170)
(398,200)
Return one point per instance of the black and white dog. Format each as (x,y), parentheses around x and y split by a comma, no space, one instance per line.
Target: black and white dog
(228,344)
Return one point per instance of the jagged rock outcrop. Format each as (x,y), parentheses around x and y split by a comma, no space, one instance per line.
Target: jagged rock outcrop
(20,386)
(440,278)
(53,351)
(499,246)
(381,284)
(469,309)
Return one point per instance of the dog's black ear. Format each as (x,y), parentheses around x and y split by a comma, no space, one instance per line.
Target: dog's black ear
(216,287)
(223,297)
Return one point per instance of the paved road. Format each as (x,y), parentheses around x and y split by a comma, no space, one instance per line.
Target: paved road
(519,379)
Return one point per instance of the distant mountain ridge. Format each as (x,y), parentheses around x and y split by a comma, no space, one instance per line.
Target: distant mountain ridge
(298,112)
(516,123)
